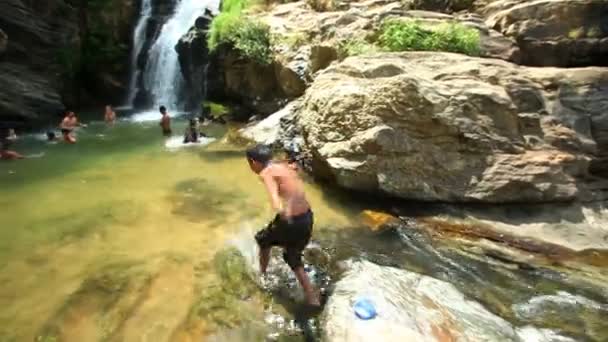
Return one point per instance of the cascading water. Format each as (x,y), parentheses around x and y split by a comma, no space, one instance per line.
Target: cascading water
(138,43)
(162,76)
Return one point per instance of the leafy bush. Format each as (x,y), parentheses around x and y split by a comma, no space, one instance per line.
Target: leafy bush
(409,35)
(216,110)
(250,38)
(355,47)
(234,6)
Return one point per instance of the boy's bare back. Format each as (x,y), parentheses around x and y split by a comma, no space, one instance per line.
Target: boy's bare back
(290,188)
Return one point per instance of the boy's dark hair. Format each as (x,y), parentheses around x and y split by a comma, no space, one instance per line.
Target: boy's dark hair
(162,109)
(50,135)
(259,153)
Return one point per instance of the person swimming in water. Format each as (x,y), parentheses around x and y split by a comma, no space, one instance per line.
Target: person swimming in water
(51,137)
(192,133)
(292,226)
(68,125)
(165,121)
(109,115)
(5,153)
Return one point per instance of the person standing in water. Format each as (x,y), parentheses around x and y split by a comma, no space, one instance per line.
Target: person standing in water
(165,121)
(68,125)
(291,228)
(109,116)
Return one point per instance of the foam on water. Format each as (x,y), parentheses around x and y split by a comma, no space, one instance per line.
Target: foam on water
(177,142)
(152,115)
(563,299)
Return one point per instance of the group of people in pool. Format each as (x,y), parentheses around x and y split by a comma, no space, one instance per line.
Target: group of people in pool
(70,123)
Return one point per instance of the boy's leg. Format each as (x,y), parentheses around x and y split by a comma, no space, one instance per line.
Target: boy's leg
(293,257)
(264,258)
(266,238)
(309,291)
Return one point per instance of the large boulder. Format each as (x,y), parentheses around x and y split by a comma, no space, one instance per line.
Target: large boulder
(564,33)
(413,307)
(244,81)
(447,127)
(362,19)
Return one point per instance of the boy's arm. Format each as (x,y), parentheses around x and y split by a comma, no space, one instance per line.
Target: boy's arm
(273,192)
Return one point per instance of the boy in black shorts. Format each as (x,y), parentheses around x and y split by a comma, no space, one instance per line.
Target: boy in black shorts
(291,229)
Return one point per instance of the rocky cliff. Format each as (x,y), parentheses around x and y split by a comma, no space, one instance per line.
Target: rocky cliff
(439,126)
(446,127)
(60,52)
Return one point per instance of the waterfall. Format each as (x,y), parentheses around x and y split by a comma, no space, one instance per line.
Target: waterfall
(162,76)
(139,36)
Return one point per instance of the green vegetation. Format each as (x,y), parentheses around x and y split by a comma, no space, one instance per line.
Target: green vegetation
(594,32)
(355,47)
(576,33)
(216,110)
(251,38)
(409,35)
(581,32)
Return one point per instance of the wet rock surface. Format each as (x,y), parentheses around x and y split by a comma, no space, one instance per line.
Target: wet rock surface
(410,307)
(42,53)
(194,61)
(29,68)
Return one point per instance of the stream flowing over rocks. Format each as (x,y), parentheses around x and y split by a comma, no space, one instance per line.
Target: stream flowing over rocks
(414,307)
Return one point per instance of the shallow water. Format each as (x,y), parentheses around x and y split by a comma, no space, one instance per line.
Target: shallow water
(118,196)
(116,238)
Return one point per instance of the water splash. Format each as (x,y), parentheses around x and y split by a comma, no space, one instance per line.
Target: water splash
(138,43)
(162,76)
(177,142)
(152,115)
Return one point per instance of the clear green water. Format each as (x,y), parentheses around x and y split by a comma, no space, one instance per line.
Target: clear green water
(117,238)
(119,197)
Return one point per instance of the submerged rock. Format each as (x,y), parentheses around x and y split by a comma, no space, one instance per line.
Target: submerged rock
(441,126)
(413,307)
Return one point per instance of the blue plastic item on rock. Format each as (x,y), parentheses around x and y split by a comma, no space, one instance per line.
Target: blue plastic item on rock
(365,309)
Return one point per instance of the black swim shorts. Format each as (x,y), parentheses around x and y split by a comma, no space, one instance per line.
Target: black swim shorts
(166,132)
(292,235)
(66,131)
